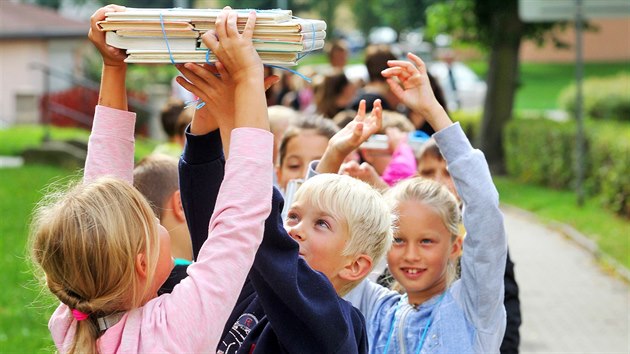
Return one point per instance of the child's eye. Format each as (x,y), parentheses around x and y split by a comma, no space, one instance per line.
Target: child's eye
(398,241)
(292,217)
(322,223)
(294,167)
(426,241)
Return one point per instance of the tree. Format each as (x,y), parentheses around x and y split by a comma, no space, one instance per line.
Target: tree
(496,27)
(398,14)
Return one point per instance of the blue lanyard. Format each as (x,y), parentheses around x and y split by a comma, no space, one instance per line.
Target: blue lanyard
(424,331)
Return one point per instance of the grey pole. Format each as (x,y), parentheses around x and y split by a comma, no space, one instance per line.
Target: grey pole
(579,104)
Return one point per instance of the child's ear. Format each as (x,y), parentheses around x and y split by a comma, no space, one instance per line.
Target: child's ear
(175,202)
(456,248)
(359,268)
(141,266)
(278,172)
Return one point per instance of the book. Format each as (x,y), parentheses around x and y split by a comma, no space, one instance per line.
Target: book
(292,26)
(144,25)
(158,43)
(155,42)
(280,46)
(200,56)
(194,15)
(156,33)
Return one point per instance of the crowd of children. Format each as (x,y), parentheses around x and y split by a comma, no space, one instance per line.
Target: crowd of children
(197,256)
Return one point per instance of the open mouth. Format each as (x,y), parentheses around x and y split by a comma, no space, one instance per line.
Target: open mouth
(412,272)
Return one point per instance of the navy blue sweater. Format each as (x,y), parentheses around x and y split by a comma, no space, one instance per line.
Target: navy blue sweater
(285,306)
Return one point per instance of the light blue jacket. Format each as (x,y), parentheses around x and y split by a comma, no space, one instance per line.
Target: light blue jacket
(471,317)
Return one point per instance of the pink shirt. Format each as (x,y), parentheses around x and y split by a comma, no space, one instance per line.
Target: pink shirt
(402,165)
(192,317)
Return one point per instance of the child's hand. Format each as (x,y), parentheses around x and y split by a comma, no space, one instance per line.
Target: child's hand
(236,51)
(111,56)
(358,130)
(351,137)
(414,90)
(364,172)
(214,86)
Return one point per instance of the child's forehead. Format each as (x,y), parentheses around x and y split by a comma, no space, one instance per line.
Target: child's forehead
(318,206)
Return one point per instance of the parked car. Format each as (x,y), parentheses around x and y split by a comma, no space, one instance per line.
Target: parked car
(469,92)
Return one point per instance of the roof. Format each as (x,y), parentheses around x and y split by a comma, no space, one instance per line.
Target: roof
(29,21)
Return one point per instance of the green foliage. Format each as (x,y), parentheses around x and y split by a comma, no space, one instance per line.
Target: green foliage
(398,14)
(542,151)
(475,21)
(469,121)
(604,97)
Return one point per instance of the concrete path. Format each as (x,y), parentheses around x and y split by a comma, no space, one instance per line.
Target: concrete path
(568,303)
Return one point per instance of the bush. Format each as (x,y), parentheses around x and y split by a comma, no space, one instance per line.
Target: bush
(604,98)
(470,122)
(543,152)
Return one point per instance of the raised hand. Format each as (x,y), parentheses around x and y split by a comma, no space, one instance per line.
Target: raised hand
(111,56)
(364,172)
(351,137)
(235,50)
(413,88)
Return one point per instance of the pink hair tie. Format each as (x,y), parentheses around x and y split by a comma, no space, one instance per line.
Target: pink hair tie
(78,315)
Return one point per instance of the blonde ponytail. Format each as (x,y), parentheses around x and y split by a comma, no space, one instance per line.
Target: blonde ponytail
(86,241)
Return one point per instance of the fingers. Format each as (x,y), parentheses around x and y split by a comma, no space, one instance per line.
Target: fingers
(188,86)
(231,27)
(377,114)
(360,111)
(396,89)
(210,40)
(248,32)
(418,62)
(357,133)
(222,71)
(219,24)
(197,74)
(270,81)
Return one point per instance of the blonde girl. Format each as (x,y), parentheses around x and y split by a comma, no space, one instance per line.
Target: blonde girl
(438,314)
(103,253)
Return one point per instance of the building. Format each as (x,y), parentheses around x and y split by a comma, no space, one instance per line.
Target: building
(32,38)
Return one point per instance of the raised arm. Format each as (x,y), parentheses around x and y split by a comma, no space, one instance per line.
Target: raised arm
(111,143)
(350,137)
(480,290)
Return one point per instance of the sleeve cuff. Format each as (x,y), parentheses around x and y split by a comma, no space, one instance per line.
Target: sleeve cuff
(251,143)
(312,169)
(114,122)
(201,149)
(452,142)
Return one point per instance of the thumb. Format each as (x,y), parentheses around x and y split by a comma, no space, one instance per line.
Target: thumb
(271,80)
(357,133)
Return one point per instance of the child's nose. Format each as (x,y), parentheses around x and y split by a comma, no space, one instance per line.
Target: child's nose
(296,232)
(411,253)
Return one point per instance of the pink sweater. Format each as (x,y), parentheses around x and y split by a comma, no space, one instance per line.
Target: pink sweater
(192,317)
(402,166)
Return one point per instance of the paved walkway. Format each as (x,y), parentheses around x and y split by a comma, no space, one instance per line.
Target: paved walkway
(568,303)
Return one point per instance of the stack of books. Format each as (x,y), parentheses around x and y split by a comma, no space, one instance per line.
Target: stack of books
(157,35)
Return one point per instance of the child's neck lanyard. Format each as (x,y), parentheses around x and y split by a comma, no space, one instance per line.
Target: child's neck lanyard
(424,331)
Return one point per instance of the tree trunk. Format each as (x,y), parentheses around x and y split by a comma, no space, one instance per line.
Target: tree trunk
(502,83)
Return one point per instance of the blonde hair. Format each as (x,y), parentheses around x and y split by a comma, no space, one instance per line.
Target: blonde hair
(436,196)
(86,242)
(364,210)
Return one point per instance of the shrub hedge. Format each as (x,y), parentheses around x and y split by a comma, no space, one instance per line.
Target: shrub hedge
(604,97)
(543,151)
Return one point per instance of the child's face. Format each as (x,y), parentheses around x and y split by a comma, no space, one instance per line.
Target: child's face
(421,249)
(322,238)
(378,158)
(436,169)
(301,150)
(165,260)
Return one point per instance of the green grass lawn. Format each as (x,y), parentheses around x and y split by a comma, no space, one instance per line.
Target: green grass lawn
(541,83)
(17,138)
(611,233)
(25,306)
